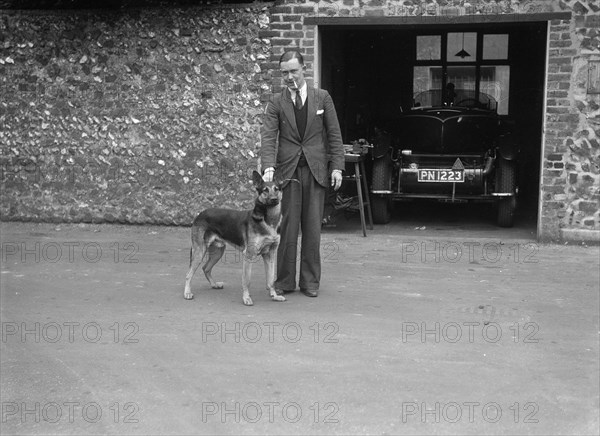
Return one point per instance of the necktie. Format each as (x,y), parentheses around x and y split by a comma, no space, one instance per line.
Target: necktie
(298,101)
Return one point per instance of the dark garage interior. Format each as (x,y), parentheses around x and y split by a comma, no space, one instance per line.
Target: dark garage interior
(372,73)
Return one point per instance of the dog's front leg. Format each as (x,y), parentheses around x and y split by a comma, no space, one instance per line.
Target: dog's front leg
(247,260)
(270,258)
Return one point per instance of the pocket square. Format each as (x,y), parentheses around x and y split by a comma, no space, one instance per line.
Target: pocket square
(320,111)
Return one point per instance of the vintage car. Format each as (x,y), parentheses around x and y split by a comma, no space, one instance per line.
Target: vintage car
(454,152)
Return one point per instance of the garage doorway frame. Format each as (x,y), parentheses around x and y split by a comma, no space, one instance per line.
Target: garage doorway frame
(411,22)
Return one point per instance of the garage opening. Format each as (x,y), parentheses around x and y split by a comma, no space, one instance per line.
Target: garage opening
(376,73)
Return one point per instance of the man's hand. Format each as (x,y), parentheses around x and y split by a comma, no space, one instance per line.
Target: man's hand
(268,175)
(336,179)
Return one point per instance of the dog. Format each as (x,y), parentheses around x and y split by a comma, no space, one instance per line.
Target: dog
(255,232)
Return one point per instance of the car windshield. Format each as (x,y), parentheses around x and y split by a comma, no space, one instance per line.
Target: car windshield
(455,97)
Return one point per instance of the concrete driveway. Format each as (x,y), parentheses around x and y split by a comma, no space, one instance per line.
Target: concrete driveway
(435,328)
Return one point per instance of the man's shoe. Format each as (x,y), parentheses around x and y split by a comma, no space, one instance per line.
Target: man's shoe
(283,291)
(310,292)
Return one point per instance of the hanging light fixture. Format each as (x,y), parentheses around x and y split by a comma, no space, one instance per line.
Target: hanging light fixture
(463,53)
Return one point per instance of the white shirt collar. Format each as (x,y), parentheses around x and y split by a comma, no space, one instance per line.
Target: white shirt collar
(303,92)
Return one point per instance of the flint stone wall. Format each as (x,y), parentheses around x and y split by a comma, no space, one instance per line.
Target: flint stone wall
(131,116)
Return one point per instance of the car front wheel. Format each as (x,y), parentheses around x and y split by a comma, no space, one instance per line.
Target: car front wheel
(506,181)
(381,181)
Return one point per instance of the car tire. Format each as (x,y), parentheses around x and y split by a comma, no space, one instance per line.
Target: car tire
(506,181)
(381,206)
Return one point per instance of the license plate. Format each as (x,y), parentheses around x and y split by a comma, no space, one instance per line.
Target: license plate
(448,176)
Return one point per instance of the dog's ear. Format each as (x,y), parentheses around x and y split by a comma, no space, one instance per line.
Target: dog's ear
(257,180)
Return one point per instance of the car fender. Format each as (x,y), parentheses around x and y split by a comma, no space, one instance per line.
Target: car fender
(382,144)
(380,152)
(507,147)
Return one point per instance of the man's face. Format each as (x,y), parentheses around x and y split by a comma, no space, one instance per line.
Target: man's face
(292,73)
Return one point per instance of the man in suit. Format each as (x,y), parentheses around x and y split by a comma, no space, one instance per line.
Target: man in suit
(301,140)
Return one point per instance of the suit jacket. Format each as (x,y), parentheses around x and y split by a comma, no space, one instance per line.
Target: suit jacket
(281,146)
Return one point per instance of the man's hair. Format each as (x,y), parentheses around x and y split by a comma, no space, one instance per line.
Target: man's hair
(291,54)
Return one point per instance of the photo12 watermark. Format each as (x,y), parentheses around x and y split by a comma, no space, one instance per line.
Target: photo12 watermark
(253,412)
(469,412)
(490,332)
(469,251)
(69,332)
(55,412)
(270,332)
(68,252)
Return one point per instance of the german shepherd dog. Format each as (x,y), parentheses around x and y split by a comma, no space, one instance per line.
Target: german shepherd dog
(255,232)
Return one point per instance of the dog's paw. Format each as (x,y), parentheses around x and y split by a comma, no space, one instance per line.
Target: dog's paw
(217,285)
(189,296)
(277,297)
(247,300)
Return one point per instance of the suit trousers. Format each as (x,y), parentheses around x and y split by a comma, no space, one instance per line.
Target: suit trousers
(302,208)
